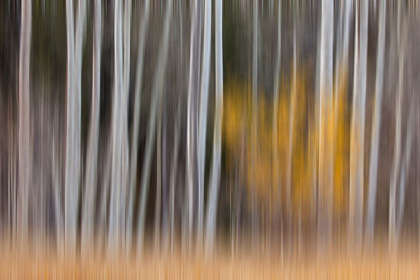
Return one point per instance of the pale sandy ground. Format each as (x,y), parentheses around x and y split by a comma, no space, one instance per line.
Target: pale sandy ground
(335,266)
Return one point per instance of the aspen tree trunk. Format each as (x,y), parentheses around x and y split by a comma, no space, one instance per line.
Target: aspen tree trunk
(158,205)
(73,134)
(70,184)
(374,147)
(202,128)
(173,177)
(358,132)
(25,151)
(11,174)
(353,162)
(57,188)
(174,169)
(103,207)
(217,136)
(325,109)
(404,173)
(165,207)
(293,101)
(92,151)
(397,145)
(151,127)
(193,89)
(254,115)
(114,231)
(341,70)
(136,125)
(124,117)
(276,165)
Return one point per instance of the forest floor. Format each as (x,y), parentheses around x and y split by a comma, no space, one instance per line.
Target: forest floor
(36,265)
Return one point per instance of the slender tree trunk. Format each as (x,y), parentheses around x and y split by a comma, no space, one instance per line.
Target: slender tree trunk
(404,173)
(254,132)
(358,132)
(325,115)
(104,200)
(57,190)
(136,125)
(397,145)
(353,162)
(124,116)
(276,165)
(25,151)
(343,55)
(217,136)
(72,171)
(70,166)
(174,166)
(158,205)
(165,207)
(114,232)
(151,128)
(293,100)
(193,89)
(173,176)
(374,147)
(92,152)
(204,96)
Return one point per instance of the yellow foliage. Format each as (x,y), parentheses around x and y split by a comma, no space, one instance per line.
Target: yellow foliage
(265,183)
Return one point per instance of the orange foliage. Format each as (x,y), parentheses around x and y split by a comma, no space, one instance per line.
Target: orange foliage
(265,183)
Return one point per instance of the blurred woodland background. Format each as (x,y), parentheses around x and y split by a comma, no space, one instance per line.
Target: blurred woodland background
(195,126)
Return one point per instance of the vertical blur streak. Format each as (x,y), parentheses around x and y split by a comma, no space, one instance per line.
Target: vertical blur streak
(136,126)
(114,233)
(374,146)
(202,127)
(151,126)
(193,89)
(25,151)
(276,166)
(325,106)
(124,117)
(401,34)
(254,116)
(217,136)
(92,149)
(293,101)
(177,136)
(404,171)
(69,184)
(358,132)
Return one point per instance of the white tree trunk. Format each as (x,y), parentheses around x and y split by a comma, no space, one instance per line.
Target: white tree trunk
(325,109)
(25,151)
(173,177)
(404,171)
(136,125)
(158,205)
(124,117)
(254,137)
(397,145)
(70,184)
(374,147)
(358,132)
(151,128)
(217,137)
(193,89)
(174,166)
(114,234)
(204,94)
(276,164)
(293,100)
(92,151)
